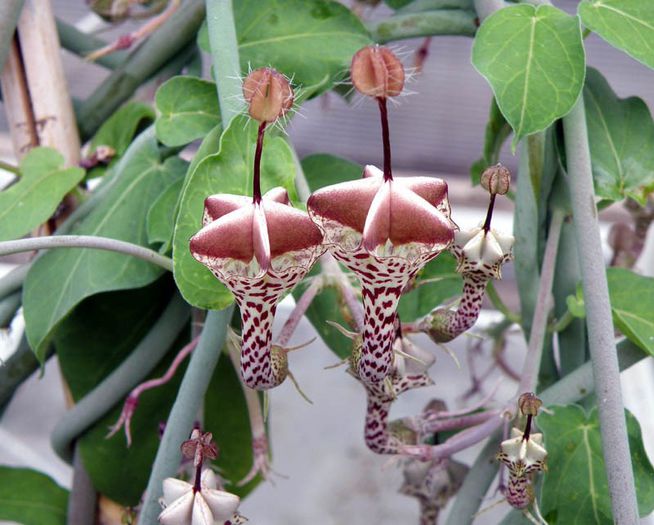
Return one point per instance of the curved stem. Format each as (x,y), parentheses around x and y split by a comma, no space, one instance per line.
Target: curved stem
(86,241)
(301,306)
(130,373)
(184,412)
(498,303)
(8,307)
(82,44)
(13,280)
(9,167)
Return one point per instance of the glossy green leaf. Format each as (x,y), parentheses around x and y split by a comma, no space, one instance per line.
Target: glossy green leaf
(32,200)
(632,303)
(497,131)
(533,59)
(425,296)
(307,40)
(323,169)
(575,489)
(60,279)
(161,216)
(228,171)
(620,136)
(118,131)
(625,24)
(90,343)
(226,417)
(31,498)
(187,109)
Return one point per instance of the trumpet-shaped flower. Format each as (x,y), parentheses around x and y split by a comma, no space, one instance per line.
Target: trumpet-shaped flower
(259,249)
(384,230)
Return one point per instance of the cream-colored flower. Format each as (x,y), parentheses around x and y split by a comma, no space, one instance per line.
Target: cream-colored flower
(208,506)
(480,251)
(523,456)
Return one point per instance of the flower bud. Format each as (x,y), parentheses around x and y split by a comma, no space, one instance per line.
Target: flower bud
(377,72)
(496,180)
(529,404)
(268,93)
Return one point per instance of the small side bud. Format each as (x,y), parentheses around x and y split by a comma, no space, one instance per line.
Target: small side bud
(268,93)
(529,404)
(496,180)
(377,72)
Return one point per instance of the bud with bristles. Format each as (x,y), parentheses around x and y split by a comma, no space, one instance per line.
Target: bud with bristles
(496,180)
(529,404)
(377,72)
(268,93)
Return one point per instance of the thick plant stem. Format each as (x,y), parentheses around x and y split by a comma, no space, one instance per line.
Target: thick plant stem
(603,354)
(224,57)
(13,281)
(486,8)
(130,373)
(17,369)
(571,388)
(184,412)
(427,23)
(8,307)
(83,497)
(86,241)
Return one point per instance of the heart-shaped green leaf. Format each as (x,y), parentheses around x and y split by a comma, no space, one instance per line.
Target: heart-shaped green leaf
(34,198)
(31,498)
(60,279)
(575,489)
(620,136)
(161,216)
(533,58)
(228,171)
(625,24)
(187,109)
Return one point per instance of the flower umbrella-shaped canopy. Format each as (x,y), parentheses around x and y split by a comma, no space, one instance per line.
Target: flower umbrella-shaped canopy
(259,250)
(385,231)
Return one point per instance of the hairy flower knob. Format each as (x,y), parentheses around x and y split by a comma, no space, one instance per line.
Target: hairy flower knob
(377,72)
(268,93)
(529,404)
(496,180)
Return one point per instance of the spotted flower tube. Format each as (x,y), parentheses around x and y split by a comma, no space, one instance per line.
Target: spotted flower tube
(260,247)
(480,253)
(383,229)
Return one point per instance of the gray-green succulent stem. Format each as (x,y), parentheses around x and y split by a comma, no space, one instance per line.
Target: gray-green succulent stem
(8,307)
(82,44)
(13,280)
(185,409)
(426,23)
(86,241)
(529,377)
(17,368)
(613,426)
(143,359)
(570,389)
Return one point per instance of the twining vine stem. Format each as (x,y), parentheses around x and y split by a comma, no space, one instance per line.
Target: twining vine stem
(86,241)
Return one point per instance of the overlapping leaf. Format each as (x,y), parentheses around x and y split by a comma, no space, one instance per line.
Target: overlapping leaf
(31,498)
(575,489)
(497,131)
(632,303)
(620,136)
(625,24)
(187,109)
(43,182)
(229,171)
(60,279)
(533,59)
